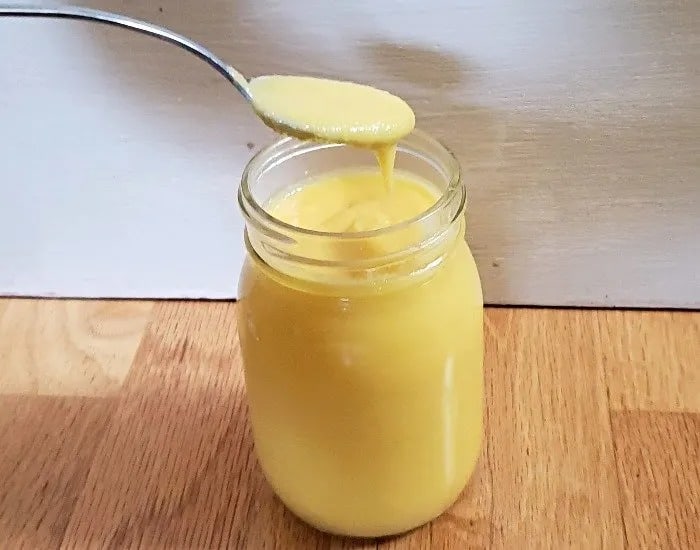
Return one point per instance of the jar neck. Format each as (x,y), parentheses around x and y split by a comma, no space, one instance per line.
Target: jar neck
(370,258)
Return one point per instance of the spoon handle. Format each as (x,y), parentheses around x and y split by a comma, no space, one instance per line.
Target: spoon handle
(118,20)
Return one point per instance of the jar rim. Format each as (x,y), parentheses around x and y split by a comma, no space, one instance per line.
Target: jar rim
(253,209)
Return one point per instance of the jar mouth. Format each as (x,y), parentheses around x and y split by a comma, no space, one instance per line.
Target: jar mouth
(288,148)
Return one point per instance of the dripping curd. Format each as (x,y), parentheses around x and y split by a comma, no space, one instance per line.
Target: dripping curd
(334,111)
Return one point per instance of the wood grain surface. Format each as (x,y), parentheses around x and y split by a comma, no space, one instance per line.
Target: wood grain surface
(591,435)
(577,125)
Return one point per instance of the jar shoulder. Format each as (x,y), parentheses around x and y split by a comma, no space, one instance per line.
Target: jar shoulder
(452,293)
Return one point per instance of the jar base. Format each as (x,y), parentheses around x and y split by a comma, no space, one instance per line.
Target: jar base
(397,530)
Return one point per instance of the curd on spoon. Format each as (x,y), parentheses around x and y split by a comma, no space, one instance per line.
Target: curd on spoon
(334,111)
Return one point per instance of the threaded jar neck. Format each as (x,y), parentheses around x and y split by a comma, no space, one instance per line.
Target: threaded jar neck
(398,250)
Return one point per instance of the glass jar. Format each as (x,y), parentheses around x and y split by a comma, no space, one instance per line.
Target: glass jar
(365,377)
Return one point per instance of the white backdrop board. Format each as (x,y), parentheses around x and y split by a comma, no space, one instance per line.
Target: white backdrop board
(577,124)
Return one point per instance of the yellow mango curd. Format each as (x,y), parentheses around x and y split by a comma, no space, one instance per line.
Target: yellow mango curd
(361,331)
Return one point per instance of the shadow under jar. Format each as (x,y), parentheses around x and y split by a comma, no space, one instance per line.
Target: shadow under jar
(364,371)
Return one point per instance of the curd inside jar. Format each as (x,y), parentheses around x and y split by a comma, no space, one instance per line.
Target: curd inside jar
(362,348)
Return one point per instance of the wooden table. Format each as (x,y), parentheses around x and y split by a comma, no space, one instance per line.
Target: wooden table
(124,424)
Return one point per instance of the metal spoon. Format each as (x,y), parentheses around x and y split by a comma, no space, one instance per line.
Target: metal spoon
(343,129)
